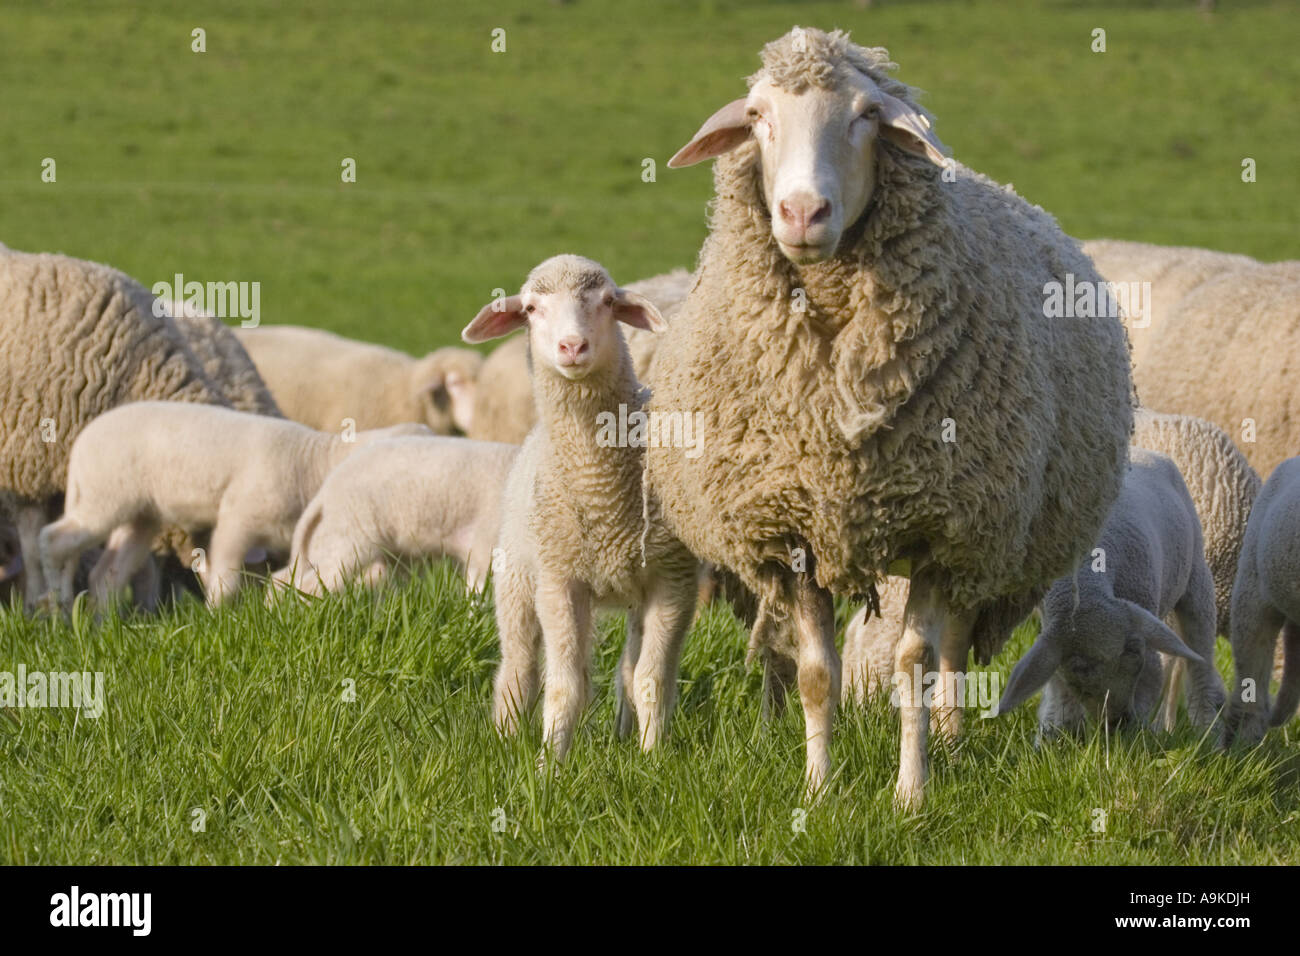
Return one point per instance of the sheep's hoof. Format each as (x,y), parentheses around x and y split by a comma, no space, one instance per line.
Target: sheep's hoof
(48,605)
(909,796)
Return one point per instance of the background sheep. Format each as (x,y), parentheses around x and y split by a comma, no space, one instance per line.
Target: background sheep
(319,379)
(828,354)
(1098,651)
(1266,599)
(76,338)
(1225,354)
(245,477)
(576,534)
(503,403)
(402,498)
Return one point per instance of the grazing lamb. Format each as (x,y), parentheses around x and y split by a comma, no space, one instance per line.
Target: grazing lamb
(576,532)
(140,466)
(76,339)
(867,351)
(1098,651)
(1266,599)
(402,498)
(319,379)
(503,403)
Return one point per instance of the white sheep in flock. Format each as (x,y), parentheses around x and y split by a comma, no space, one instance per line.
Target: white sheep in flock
(402,498)
(576,533)
(1098,654)
(867,352)
(320,379)
(148,464)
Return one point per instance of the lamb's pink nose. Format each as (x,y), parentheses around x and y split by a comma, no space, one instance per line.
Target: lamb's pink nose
(573,350)
(802,211)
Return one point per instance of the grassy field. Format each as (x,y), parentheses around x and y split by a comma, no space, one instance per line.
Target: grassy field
(471,167)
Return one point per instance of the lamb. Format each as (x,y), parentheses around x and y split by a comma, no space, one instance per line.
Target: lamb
(76,339)
(1266,599)
(1249,321)
(503,402)
(1098,651)
(402,498)
(1223,487)
(828,350)
(577,532)
(246,477)
(320,379)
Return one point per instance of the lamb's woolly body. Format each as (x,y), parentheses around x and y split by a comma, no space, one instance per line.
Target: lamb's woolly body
(1172,271)
(825,429)
(1248,322)
(504,410)
(319,378)
(1266,599)
(1152,549)
(1222,484)
(76,339)
(402,498)
(246,477)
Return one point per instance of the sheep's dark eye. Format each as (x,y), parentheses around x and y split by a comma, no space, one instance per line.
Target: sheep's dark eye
(609,300)
(529,309)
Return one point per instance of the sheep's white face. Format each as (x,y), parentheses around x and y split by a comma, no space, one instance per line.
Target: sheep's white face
(572,331)
(818,160)
(817,154)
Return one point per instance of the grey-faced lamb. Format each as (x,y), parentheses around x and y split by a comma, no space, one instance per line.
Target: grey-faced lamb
(141,466)
(403,498)
(320,379)
(1098,653)
(859,300)
(576,531)
(1266,600)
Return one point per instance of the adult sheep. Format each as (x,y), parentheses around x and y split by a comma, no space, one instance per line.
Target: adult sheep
(874,382)
(76,339)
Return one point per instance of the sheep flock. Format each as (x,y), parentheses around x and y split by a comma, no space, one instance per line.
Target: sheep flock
(887,379)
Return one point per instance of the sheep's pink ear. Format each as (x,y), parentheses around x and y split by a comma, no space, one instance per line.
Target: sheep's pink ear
(908,129)
(724,131)
(499,317)
(637,311)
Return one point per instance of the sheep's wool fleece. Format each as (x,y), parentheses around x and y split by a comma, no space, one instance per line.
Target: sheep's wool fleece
(76,339)
(825,429)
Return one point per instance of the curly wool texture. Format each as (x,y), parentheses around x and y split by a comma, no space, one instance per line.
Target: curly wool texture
(1226,354)
(824,429)
(227,364)
(76,339)
(1222,484)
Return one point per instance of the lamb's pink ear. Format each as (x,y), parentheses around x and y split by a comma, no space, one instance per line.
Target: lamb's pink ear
(499,317)
(724,131)
(637,311)
(906,128)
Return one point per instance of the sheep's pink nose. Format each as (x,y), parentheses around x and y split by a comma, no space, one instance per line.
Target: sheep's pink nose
(802,210)
(573,350)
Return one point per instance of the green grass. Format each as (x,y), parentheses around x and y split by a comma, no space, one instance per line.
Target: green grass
(472,167)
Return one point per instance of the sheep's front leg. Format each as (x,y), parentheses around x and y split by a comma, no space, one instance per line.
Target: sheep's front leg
(954,652)
(225,562)
(928,624)
(59,546)
(666,616)
(819,676)
(564,611)
(625,678)
(520,635)
(29,522)
(1197,623)
(780,673)
(1255,625)
(124,554)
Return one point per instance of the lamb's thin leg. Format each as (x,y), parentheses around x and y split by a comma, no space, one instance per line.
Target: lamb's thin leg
(36,579)
(1171,692)
(1197,622)
(520,635)
(60,546)
(625,716)
(924,622)
(1288,693)
(857,676)
(225,562)
(668,611)
(954,652)
(565,612)
(819,676)
(124,554)
(1255,625)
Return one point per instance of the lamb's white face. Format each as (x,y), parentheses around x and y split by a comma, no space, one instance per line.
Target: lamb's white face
(818,160)
(572,330)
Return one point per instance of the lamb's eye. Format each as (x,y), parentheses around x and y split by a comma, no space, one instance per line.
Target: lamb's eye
(609,301)
(529,309)
(872,112)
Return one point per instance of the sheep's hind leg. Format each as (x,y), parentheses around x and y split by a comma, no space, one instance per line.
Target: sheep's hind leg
(666,616)
(37,578)
(819,677)
(1255,625)
(124,554)
(225,563)
(1288,692)
(954,653)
